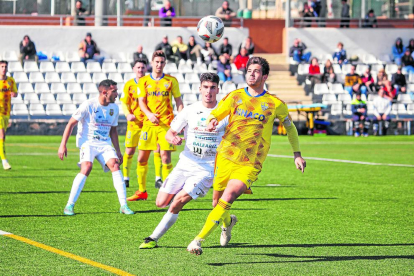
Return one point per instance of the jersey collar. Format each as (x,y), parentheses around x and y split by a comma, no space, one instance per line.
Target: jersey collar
(155,79)
(135,79)
(247,92)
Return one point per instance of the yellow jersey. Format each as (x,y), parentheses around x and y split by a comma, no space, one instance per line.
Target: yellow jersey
(6,87)
(159,94)
(248,135)
(130,99)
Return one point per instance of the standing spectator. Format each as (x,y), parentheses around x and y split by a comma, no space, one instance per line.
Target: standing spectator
(314,73)
(339,56)
(344,15)
(167,49)
(370,20)
(241,60)
(166,14)
(209,53)
(399,82)
(226,48)
(80,14)
(382,77)
(27,50)
(398,51)
(249,45)
(180,49)
(88,50)
(297,51)
(382,109)
(224,69)
(367,82)
(389,91)
(359,116)
(328,75)
(411,46)
(194,50)
(316,7)
(225,13)
(139,55)
(407,62)
(352,81)
(307,14)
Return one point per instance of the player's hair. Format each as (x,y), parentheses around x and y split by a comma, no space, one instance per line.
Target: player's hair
(262,62)
(4,61)
(158,53)
(106,84)
(140,60)
(211,77)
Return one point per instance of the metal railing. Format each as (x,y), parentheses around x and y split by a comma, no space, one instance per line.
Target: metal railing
(309,22)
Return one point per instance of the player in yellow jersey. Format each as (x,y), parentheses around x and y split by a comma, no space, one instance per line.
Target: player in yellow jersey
(156,91)
(135,118)
(8,89)
(244,147)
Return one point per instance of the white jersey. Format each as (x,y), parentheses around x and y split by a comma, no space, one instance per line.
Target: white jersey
(95,122)
(200,144)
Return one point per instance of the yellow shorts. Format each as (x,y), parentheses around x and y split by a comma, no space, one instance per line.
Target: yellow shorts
(226,170)
(153,135)
(4,122)
(132,137)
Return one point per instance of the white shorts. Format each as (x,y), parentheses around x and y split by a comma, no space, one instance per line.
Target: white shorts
(102,153)
(195,179)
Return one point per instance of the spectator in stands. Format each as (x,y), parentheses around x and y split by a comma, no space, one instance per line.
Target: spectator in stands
(241,60)
(345,14)
(407,62)
(167,49)
(248,44)
(80,14)
(411,47)
(166,14)
(359,116)
(314,73)
(180,48)
(398,51)
(382,109)
(224,69)
(226,48)
(367,82)
(297,51)
(328,75)
(399,82)
(89,51)
(209,53)
(225,13)
(382,77)
(316,7)
(140,55)
(27,50)
(307,13)
(339,56)
(352,81)
(389,91)
(194,50)
(370,20)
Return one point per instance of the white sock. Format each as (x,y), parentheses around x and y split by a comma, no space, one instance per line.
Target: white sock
(167,221)
(126,178)
(119,185)
(157,177)
(77,187)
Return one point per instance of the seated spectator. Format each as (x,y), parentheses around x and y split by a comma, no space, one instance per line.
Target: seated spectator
(297,51)
(389,91)
(382,77)
(209,53)
(80,14)
(180,49)
(314,73)
(382,109)
(224,69)
(241,60)
(249,45)
(352,81)
(225,13)
(329,75)
(407,62)
(166,14)
(167,49)
(226,48)
(140,55)
(370,20)
(89,51)
(359,116)
(367,82)
(399,82)
(411,46)
(307,13)
(194,50)
(340,54)
(27,50)
(398,51)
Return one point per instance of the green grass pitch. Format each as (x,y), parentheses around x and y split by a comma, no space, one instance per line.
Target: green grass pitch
(336,219)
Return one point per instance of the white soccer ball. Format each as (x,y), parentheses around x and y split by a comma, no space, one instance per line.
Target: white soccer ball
(210,28)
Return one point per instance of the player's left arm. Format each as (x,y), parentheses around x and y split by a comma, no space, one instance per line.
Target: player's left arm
(14,90)
(177,95)
(179,104)
(113,133)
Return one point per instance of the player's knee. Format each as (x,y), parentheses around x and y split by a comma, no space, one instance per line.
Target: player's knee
(165,157)
(130,151)
(161,203)
(86,168)
(113,165)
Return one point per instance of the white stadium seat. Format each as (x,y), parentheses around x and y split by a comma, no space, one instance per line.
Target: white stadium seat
(346,68)
(63,99)
(178,76)
(344,98)
(185,68)
(47,99)
(117,77)
(41,87)
(74,88)
(410,109)
(30,66)
(20,77)
(77,67)
(391,69)
(83,77)
(62,66)
(128,76)
(53,110)
(93,67)
(336,109)
(17,100)
(170,68)
(58,54)
(404,98)
(192,78)
(98,77)
(72,56)
(46,66)
(360,69)
(68,109)
(337,88)
(195,88)
(238,78)
(337,68)
(124,68)
(241,85)
(109,68)
(228,87)
(31,98)
(15,66)
(119,57)
(79,98)
(184,88)
(10,56)
(369,59)
(329,99)
(52,77)
(67,77)
(120,86)
(36,109)
(36,77)
(90,88)
(200,68)
(191,98)
(20,110)
(57,88)
(25,87)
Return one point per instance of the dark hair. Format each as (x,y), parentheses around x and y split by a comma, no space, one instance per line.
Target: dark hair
(27,37)
(106,84)
(158,53)
(140,60)
(262,62)
(179,36)
(4,61)
(209,77)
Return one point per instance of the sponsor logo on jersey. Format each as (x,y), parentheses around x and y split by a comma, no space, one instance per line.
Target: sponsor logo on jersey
(111,112)
(203,119)
(265,106)
(166,85)
(202,145)
(239,101)
(199,112)
(248,114)
(159,93)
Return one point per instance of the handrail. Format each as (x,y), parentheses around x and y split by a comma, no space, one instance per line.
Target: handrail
(304,22)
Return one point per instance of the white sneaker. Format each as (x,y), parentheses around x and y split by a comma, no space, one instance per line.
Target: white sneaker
(195,247)
(6,164)
(225,236)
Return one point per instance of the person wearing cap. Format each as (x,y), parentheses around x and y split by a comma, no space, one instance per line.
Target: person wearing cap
(359,116)
(165,46)
(89,51)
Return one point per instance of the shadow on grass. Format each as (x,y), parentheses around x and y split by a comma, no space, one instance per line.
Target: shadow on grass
(54,192)
(282,199)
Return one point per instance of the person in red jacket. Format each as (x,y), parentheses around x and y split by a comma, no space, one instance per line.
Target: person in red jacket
(314,73)
(241,60)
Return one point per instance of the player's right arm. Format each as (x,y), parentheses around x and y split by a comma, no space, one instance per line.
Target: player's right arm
(144,107)
(126,104)
(222,111)
(14,89)
(63,151)
(179,122)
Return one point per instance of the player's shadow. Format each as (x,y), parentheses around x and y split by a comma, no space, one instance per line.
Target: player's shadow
(53,192)
(283,199)
(247,245)
(35,176)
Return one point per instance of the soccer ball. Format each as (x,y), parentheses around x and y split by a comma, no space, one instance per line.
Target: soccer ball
(210,28)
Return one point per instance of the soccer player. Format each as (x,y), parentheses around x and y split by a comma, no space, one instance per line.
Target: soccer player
(155,100)
(8,89)
(192,177)
(97,119)
(135,118)
(244,147)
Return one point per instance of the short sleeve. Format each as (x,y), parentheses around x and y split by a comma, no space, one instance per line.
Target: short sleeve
(141,89)
(126,99)
(116,114)
(175,89)
(81,112)
(223,109)
(180,121)
(14,86)
(282,113)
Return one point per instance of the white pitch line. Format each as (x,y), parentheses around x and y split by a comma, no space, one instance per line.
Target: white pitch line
(345,161)
(4,233)
(31,153)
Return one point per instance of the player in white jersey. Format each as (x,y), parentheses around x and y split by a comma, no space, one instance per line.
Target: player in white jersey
(97,120)
(193,175)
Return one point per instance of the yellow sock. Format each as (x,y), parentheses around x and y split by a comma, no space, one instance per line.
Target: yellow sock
(127,165)
(221,211)
(157,164)
(142,170)
(2,151)
(166,169)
